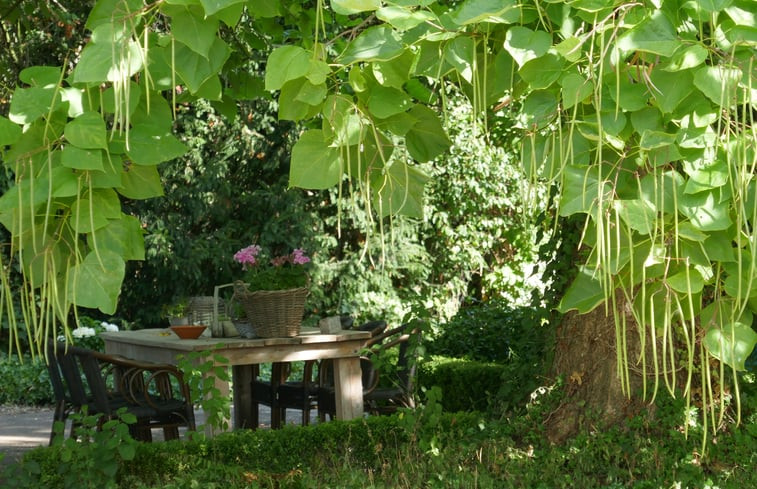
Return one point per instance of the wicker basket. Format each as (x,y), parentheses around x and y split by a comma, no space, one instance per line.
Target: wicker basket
(205,310)
(273,313)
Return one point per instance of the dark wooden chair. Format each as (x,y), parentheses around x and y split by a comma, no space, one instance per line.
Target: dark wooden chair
(377,398)
(100,384)
(281,393)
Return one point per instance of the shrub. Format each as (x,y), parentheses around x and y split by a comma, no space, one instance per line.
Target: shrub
(24,381)
(494,332)
(466,385)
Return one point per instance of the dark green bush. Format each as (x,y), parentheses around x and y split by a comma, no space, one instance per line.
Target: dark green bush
(466,385)
(24,382)
(494,332)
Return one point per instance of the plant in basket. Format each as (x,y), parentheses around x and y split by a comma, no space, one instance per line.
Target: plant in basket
(273,290)
(273,273)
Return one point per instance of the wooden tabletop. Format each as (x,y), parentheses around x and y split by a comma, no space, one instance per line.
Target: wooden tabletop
(163,344)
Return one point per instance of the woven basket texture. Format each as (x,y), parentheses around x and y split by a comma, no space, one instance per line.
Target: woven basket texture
(273,313)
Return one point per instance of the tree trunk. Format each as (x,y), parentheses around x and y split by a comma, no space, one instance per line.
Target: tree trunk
(585,356)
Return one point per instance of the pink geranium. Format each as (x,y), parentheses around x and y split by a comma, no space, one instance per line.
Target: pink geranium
(277,273)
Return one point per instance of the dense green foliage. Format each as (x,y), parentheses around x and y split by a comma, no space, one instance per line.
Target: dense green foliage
(435,451)
(24,381)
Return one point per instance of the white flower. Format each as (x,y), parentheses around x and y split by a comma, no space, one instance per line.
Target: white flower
(61,338)
(83,332)
(109,326)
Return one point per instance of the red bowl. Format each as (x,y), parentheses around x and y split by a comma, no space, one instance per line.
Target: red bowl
(190,332)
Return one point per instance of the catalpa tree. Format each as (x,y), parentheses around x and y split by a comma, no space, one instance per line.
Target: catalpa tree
(640,112)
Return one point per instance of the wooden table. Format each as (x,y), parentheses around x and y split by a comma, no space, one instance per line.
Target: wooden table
(163,346)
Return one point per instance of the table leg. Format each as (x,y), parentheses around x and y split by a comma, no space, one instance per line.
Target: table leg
(348,384)
(245,412)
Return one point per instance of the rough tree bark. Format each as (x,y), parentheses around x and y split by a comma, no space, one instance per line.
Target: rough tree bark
(585,355)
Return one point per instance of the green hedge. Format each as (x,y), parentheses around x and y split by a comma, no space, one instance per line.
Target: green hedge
(466,385)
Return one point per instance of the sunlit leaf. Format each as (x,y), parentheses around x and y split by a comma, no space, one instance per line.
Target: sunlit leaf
(349,7)
(9,132)
(476,11)
(122,236)
(523,44)
(285,63)
(384,102)
(584,294)
(399,190)
(718,83)
(705,211)
(427,139)
(87,131)
(140,182)
(96,281)
(190,26)
(82,159)
(731,343)
(377,43)
(403,19)
(315,164)
(655,34)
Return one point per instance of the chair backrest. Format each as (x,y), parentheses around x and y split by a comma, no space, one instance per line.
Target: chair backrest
(406,357)
(77,378)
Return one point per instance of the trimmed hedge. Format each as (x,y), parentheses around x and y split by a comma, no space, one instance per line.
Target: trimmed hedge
(466,385)
(268,453)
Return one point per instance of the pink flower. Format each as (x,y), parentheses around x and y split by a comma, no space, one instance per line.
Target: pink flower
(299,257)
(247,256)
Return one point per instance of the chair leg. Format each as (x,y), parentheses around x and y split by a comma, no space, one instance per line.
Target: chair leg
(171,432)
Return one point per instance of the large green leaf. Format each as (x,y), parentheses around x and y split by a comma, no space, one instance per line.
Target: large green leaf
(315,164)
(150,145)
(285,63)
(341,121)
(575,89)
(706,211)
(111,59)
(190,27)
(349,7)
(543,71)
(9,132)
(87,131)
(523,44)
(140,182)
(477,11)
(732,343)
(584,294)
(403,19)
(104,11)
(427,138)
(82,159)
(195,69)
(377,43)
(461,53)
(654,34)
(538,110)
(29,104)
(580,189)
(399,190)
(213,6)
(41,76)
(122,236)
(638,214)
(385,102)
(96,281)
(718,83)
(686,281)
(298,99)
(86,216)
